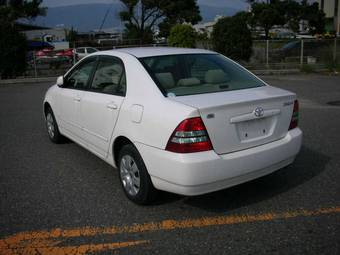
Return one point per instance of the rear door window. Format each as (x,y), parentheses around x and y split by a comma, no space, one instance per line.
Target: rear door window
(109,77)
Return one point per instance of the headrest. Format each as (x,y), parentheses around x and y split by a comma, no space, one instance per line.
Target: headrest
(166,80)
(188,82)
(216,76)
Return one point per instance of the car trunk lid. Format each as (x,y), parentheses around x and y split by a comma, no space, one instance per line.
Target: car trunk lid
(238,120)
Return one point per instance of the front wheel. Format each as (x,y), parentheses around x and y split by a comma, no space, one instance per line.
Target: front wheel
(52,127)
(134,177)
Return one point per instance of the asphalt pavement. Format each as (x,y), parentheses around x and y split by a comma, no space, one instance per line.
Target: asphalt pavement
(61,199)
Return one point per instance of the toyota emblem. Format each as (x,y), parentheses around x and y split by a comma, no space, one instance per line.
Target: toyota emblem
(259,112)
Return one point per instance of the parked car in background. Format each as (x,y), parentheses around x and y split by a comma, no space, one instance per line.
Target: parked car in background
(50,56)
(65,53)
(186,121)
(84,51)
(44,53)
(284,35)
(311,48)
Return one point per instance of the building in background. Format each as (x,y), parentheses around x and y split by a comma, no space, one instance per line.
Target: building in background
(100,37)
(53,36)
(332,11)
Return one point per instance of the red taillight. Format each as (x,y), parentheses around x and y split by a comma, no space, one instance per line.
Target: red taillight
(190,136)
(295,118)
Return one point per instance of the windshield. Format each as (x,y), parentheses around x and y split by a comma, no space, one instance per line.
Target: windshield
(180,75)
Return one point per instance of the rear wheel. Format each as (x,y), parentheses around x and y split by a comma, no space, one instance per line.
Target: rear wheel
(134,177)
(52,127)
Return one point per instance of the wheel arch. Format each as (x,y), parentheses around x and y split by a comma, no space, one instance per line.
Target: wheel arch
(47,105)
(118,144)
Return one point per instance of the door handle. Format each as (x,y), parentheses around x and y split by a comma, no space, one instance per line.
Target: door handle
(112,106)
(77,99)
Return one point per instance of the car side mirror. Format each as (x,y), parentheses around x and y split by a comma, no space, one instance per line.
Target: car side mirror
(60,81)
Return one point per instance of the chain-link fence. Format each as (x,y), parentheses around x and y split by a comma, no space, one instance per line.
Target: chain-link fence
(294,54)
(267,54)
(49,62)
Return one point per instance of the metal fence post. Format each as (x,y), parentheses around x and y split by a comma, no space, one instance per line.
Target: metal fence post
(267,53)
(35,65)
(74,53)
(334,53)
(301,57)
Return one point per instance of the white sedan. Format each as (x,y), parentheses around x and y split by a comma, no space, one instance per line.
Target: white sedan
(83,52)
(186,121)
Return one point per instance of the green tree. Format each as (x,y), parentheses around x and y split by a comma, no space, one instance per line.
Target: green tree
(13,52)
(266,16)
(315,17)
(11,10)
(290,12)
(232,37)
(142,16)
(178,12)
(182,35)
(295,11)
(12,42)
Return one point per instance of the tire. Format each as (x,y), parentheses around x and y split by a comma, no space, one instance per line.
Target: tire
(52,127)
(134,177)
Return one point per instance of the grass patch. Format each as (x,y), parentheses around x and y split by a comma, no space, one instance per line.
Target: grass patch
(307,69)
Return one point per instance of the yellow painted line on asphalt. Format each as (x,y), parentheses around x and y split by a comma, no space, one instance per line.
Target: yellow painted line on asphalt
(50,242)
(67,250)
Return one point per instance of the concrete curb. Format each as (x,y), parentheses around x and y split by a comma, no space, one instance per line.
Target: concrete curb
(276,72)
(28,80)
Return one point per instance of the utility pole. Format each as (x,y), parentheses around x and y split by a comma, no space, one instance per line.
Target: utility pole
(336,17)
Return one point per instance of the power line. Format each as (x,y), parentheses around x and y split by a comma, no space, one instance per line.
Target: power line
(105,16)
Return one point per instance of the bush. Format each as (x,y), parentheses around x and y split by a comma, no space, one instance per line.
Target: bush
(13,51)
(182,36)
(232,37)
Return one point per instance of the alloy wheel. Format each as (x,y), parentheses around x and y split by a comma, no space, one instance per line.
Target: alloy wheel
(129,174)
(50,125)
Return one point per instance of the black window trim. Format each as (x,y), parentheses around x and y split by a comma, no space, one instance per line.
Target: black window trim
(152,75)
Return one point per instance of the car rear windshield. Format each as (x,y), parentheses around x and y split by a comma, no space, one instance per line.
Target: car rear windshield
(190,74)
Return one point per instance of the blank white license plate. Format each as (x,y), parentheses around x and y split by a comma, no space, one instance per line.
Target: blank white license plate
(252,129)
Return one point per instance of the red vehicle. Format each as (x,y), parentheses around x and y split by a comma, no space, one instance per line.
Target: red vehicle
(48,56)
(65,53)
(44,53)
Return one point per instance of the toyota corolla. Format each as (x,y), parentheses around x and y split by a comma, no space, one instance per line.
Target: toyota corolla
(186,121)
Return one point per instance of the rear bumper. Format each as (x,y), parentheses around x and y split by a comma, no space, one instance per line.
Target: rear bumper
(204,172)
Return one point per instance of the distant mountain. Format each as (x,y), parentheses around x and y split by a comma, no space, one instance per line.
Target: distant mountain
(208,13)
(86,17)
(231,3)
(235,4)
(83,17)
(58,3)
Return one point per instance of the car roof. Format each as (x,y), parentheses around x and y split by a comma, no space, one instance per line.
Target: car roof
(142,52)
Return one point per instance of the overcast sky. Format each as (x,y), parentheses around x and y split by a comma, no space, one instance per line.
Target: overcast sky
(54,3)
